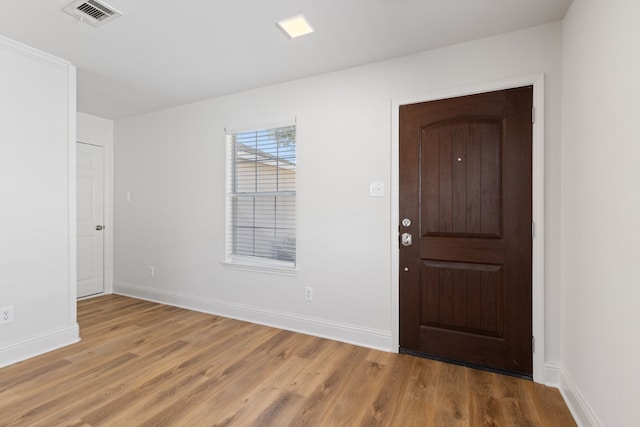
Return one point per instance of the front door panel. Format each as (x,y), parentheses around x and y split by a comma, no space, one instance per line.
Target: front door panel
(465,184)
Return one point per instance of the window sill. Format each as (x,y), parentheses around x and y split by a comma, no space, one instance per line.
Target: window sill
(284,269)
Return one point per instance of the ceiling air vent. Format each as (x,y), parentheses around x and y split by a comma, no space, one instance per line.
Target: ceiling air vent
(92,12)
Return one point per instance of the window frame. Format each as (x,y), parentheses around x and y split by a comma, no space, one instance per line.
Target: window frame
(245,262)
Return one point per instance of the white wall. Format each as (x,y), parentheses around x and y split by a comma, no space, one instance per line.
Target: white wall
(98,131)
(601,212)
(37,229)
(173,163)
(94,130)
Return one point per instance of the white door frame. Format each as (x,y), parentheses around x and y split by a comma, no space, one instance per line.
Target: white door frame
(108,213)
(537,80)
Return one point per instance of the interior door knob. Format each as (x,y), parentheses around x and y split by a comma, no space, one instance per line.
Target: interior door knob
(99,227)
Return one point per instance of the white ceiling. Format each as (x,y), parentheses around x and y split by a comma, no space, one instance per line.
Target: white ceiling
(164,53)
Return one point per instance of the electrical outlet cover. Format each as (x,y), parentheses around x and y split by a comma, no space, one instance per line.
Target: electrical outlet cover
(6,314)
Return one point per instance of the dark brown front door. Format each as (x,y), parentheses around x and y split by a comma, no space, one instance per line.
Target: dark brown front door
(465,188)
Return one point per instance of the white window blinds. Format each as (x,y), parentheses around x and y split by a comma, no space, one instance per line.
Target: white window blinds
(262,196)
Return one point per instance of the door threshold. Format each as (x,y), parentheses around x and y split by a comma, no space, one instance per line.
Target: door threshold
(465,364)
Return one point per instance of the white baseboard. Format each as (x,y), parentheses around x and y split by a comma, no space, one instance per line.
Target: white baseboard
(38,345)
(552,374)
(580,409)
(344,332)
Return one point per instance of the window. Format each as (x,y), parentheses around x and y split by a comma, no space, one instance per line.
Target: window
(261,229)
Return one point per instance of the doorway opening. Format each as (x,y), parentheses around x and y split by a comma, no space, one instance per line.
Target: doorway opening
(90,187)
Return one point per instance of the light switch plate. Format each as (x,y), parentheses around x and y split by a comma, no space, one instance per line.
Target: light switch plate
(376,189)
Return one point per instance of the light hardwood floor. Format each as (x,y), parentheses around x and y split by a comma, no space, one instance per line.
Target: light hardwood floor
(146,364)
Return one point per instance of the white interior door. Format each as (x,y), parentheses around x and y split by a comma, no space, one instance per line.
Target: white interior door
(90,194)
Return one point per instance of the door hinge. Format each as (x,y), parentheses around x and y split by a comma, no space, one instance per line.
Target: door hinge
(533,344)
(533,115)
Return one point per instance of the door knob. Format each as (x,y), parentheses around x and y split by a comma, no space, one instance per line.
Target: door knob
(406,239)
(99,227)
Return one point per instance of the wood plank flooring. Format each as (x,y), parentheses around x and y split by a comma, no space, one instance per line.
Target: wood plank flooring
(146,364)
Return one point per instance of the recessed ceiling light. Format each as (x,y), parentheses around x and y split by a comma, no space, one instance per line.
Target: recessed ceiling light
(295,26)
